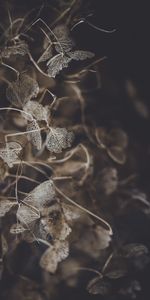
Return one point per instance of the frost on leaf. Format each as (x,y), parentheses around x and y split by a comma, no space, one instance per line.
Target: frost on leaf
(37,110)
(22,90)
(42,195)
(19,49)
(53,255)
(34,134)
(17,228)
(10,153)
(26,214)
(59,139)
(5,206)
(80,55)
(57,63)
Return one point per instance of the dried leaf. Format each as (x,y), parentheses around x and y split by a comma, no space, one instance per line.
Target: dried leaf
(59,139)
(57,63)
(99,286)
(117,273)
(10,153)
(134,250)
(22,90)
(37,110)
(35,135)
(42,195)
(80,55)
(71,213)
(53,255)
(95,239)
(47,54)
(5,206)
(117,154)
(19,49)
(26,214)
(17,228)
(4,245)
(65,42)
(53,223)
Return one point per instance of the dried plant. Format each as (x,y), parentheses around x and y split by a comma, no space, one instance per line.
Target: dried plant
(66,178)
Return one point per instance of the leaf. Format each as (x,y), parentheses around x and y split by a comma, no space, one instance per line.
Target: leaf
(4,245)
(37,110)
(53,255)
(117,154)
(134,250)
(117,273)
(80,55)
(22,90)
(5,206)
(10,153)
(35,135)
(59,139)
(42,195)
(47,54)
(17,228)
(26,214)
(92,240)
(65,42)
(19,49)
(100,286)
(71,213)
(57,63)
(108,180)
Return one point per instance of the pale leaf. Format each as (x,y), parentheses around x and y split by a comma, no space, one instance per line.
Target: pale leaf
(19,49)
(42,195)
(80,55)
(53,255)
(57,63)
(59,139)
(37,110)
(26,214)
(5,206)
(65,43)
(35,135)
(10,153)
(17,228)
(22,90)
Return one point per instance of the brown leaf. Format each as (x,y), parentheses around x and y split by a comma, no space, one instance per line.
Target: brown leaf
(53,255)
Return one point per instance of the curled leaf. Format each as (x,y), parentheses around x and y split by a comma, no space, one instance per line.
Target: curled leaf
(59,139)
(100,286)
(53,255)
